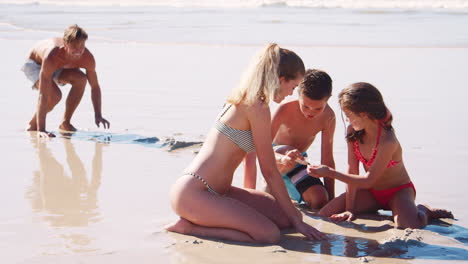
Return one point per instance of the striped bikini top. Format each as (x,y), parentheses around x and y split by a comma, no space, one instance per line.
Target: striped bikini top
(242,138)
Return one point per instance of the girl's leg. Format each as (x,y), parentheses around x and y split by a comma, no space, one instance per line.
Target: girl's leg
(335,206)
(364,203)
(262,202)
(407,214)
(206,214)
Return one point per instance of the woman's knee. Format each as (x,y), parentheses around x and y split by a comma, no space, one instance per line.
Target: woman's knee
(269,234)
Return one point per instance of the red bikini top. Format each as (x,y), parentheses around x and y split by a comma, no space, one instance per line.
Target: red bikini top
(369,162)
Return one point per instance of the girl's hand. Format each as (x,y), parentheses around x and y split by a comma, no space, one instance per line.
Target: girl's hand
(318,171)
(310,232)
(345,216)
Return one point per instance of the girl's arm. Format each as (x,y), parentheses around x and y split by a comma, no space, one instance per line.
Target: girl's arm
(327,154)
(386,150)
(353,168)
(260,123)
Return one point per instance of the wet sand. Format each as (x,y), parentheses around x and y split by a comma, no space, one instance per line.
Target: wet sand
(98,197)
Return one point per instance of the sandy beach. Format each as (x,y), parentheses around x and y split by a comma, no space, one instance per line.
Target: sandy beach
(102,195)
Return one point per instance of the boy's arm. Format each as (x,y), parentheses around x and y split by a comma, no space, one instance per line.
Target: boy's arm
(327,154)
(250,170)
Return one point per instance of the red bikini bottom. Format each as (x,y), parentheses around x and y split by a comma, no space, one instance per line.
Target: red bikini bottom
(384,196)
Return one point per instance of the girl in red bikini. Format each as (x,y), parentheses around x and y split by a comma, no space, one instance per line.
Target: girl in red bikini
(386,184)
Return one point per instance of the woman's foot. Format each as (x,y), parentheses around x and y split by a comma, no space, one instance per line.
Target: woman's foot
(182,226)
(435,213)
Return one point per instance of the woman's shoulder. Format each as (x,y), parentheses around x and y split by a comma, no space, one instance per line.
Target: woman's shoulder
(258,107)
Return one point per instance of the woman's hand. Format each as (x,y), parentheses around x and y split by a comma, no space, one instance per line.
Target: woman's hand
(345,216)
(309,231)
(318,171)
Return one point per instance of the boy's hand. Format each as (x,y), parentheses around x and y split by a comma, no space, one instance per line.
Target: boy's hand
(288,160)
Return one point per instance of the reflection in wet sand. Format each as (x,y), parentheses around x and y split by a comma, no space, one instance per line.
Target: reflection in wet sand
(64,199)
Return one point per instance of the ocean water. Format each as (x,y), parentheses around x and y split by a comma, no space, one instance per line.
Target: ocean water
(306,23)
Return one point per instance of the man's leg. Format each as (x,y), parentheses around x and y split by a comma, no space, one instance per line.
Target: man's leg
(52,100)
(78,80)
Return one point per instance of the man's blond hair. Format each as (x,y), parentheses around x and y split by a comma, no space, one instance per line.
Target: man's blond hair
(74,33)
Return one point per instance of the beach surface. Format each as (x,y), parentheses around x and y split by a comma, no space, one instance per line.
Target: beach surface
(103,195)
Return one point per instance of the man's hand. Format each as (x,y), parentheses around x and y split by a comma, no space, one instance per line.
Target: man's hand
(45,134)
(99,120)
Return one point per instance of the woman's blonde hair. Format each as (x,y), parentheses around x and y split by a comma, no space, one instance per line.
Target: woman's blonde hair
(261,80)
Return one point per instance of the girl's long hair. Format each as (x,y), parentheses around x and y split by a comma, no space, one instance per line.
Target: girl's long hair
(364,98)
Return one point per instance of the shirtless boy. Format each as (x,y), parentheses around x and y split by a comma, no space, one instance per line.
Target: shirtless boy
(57,61)
(294,127)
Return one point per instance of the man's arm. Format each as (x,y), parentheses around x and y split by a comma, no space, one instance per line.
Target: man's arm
(327,153)
(95,93)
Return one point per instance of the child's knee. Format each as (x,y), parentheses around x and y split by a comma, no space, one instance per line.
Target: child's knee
(316,197)
(403,223)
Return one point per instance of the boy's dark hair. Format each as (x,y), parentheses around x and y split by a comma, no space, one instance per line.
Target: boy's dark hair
(316,85)
(74,33)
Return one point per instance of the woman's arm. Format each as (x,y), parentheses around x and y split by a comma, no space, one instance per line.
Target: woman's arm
(260,123)
(250,170)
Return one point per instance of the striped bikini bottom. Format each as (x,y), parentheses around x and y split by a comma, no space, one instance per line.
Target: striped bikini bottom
(204,182)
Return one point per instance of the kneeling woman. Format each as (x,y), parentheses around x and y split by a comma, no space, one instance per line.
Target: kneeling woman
(205,200)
